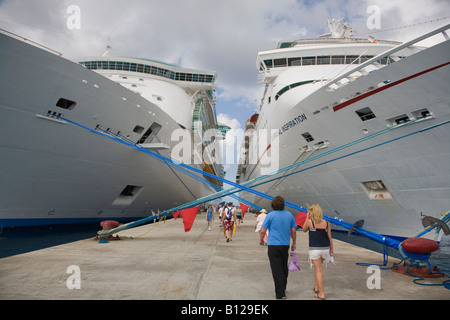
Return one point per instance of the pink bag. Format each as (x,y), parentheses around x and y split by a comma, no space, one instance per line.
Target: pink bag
(294,264)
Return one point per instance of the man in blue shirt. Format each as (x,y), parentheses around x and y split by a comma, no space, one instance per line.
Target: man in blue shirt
(281,225)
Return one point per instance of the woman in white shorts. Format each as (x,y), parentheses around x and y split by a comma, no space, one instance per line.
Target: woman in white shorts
(320,246)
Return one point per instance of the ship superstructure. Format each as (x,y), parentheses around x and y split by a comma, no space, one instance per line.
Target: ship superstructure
(365,124)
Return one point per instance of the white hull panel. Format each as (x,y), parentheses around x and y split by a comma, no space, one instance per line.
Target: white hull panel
(415,170)
(56,172)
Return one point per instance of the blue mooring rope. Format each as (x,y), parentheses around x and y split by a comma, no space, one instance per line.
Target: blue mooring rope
(386,241)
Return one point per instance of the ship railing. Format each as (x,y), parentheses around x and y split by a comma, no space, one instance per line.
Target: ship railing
(31,41)
(341,80)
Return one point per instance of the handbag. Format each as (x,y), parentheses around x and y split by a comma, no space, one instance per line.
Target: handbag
(294,264)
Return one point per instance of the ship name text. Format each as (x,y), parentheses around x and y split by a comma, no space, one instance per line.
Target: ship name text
(290,124)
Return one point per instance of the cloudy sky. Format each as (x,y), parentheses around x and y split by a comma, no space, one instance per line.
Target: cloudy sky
(219,35)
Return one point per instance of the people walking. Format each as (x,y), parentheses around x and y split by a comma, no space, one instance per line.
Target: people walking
(209,216)
(281,225)
(320,246)
(228,219)
(238,217)
(259,221)
(221,212)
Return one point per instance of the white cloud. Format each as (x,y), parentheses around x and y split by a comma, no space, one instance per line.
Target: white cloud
(223,36)
(225,119)
(404,20)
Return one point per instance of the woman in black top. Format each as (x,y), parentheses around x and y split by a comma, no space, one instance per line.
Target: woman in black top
(320,246)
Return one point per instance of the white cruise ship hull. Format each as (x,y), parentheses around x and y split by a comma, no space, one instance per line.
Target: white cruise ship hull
(412,165)
(55,172)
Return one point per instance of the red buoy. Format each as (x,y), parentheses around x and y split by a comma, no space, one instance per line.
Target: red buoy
(109,224)
(419,245)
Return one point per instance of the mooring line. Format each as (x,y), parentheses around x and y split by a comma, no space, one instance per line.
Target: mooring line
(374,236)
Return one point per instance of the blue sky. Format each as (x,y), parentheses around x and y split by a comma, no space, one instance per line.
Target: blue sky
(223,36)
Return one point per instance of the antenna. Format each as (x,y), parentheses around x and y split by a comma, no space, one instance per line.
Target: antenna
(338,29)
(108,49)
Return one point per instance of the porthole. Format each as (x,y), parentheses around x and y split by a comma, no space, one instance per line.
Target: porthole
(66,104)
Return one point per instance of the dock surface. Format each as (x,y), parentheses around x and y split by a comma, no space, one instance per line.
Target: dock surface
(162,262)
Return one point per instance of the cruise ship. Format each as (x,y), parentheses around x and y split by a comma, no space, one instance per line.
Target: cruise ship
(56,169)
(359,126)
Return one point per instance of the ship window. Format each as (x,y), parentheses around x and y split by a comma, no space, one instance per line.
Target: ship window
(385,60)
(376,190)
(279,62)
(295,61)
(128,191)
(308,137)
(365,114)
(307,61)
(337,59)
(268,63)
(282,91)
(401,119)
(422,114)
(291,86)
(365,58)
(128,195)
(138,129)
(285,44)
(351,59)
(323,60)
(321,144)
(141,68)
(66,104)
(151,133)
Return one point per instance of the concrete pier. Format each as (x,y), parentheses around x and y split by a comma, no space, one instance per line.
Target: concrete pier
(162,262)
